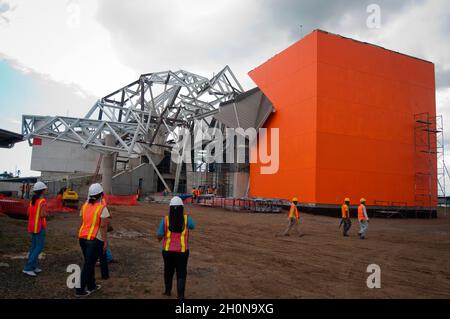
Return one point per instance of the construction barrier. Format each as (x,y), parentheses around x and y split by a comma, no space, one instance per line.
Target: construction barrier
(121,200)
(12,207)
(19,208)
(55,205)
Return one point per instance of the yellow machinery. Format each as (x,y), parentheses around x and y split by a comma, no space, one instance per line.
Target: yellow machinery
(70,198)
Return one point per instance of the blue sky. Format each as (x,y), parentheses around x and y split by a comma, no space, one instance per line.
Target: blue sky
(16,93)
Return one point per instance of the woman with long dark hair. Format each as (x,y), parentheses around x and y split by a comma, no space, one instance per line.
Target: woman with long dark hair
(174,231)
(37,226)
(92,237)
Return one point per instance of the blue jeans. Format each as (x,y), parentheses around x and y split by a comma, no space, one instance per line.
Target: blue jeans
(37,245)
(363,227)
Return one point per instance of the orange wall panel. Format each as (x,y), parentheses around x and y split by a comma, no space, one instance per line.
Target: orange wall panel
(345,111)
(289,81)
(366,111)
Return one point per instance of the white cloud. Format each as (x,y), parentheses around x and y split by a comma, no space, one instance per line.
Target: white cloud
(41,36)
(420,29)
(195,35)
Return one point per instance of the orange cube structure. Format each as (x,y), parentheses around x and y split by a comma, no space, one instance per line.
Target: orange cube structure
(355,120)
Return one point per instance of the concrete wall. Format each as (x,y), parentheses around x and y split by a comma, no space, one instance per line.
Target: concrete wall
(62,157)
(127,183)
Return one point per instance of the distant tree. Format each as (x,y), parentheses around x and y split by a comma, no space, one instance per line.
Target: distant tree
(6,175)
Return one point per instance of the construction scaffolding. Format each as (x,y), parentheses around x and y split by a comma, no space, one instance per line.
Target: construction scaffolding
(429,179)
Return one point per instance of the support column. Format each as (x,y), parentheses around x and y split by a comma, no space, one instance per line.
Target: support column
(107,166)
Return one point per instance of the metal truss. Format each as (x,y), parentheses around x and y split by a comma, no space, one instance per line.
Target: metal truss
(143,116)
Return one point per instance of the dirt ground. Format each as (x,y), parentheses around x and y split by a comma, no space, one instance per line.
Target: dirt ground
(237,255)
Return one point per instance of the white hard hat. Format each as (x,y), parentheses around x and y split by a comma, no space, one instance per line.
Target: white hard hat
(176,201)
(39,186)
(95,189)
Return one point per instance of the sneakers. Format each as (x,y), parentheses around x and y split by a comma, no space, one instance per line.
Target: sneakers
(79,294)
(38,270)
(29,273)
(86,293)
(97,287)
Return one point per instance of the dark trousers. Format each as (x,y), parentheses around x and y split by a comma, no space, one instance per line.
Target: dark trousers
(347,226)
(174,261)
(91,251)
(104,264)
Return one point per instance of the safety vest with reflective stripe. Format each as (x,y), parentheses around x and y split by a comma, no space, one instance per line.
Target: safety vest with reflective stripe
(293,212)
(35,221)
(345,211)
(176,242)
(90,213)
(361,215)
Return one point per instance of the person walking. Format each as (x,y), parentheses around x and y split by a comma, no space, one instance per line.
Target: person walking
(37,226)
(92,238)
(294,218)
(346,220)
(363,219)
(174,231)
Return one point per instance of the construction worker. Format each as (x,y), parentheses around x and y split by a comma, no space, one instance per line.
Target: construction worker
(293,217)
(37,226)
(92,238)
(194,194)
(197,194)
(363,219)
(174,230)
(346,220)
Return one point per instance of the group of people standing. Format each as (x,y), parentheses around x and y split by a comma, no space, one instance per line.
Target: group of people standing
(93,239)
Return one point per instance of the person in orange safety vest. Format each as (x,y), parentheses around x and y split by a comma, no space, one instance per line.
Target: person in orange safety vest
(346,220)
(37,226)
(174,231)
(294,218)
(363,219)
(92,237)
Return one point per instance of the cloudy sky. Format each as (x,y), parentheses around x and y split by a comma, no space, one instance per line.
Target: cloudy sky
(59,56)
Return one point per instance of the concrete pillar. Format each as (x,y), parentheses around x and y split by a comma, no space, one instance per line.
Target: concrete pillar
(107,166)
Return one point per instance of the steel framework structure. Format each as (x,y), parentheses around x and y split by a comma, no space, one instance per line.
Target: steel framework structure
(143,116)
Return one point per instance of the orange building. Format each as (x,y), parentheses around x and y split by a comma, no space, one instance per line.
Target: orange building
(355,120)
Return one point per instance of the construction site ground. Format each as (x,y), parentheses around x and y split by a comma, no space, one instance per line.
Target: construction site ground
(238,255)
